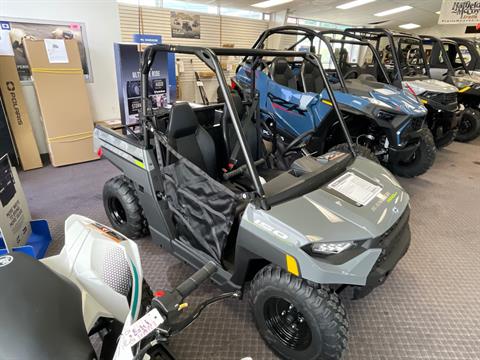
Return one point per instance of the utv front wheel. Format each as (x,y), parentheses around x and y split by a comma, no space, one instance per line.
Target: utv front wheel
(469,128)
(361,150)
(123,208)
(296,320)
(421,160)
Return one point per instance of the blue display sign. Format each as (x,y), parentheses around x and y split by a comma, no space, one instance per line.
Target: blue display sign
(147,39)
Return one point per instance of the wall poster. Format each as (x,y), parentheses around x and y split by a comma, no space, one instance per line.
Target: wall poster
(20,29)
(184,25)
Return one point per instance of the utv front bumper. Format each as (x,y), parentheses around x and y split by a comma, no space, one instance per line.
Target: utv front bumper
(394,245)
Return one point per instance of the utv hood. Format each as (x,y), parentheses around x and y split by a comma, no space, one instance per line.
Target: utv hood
(429,85)
(367,97)
(464,80)
(325,215)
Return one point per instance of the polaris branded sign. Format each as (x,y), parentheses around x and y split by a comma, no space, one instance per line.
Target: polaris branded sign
(459,12)
(13,98)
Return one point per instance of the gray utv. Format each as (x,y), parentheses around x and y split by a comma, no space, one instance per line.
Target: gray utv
(404,57)
(292,235)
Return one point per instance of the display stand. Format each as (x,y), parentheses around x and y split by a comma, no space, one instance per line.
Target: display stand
(37,244)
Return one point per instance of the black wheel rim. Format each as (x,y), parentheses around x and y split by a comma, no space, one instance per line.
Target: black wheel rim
(465,126)
(287,324)
(117,211)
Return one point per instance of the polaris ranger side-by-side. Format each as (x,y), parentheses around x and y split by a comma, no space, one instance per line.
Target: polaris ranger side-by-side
(447,64)
(388,121)
(404,57)
(292,233)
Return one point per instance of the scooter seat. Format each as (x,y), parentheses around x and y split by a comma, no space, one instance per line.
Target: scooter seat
(40,313)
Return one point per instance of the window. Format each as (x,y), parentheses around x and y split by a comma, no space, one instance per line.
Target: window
(140,2)
(266,17)
(466,55)
(189,6)
(241,13)
(291,20)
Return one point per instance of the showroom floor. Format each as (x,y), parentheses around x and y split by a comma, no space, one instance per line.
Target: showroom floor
(428,309)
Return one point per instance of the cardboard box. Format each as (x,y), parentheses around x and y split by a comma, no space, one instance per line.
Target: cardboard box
(14,214)
(17,114)
(63,100)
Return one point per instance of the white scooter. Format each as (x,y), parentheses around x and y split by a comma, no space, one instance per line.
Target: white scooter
(49,308)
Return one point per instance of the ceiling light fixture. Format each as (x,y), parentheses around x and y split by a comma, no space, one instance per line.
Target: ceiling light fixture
(409,26)
(353,4)
(437,12)
(270,3)
(394,11)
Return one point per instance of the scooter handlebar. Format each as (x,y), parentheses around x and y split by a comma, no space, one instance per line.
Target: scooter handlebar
(194,281)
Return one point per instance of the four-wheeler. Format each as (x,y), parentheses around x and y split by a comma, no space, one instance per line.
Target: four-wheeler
(388,121)
(293,233)
(404,58)
(447,63)
(95,286)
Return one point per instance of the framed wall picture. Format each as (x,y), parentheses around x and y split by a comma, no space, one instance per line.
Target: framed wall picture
(20,29)
(185,25)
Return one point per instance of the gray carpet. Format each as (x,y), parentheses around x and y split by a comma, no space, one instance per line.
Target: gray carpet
(428,309)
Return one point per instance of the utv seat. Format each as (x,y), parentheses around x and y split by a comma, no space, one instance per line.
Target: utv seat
(253,135)
(312,80)
(190,139)
(281,73)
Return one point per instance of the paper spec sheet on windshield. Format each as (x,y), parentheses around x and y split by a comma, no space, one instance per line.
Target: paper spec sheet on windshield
(355,188)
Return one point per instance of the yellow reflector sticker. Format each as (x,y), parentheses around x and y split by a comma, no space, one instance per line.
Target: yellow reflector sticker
(139,163)
(292,266)
(392,197)
(466,88)
(424,101)
(327,102)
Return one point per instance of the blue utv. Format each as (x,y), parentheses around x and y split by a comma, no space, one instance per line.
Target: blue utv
(387,121)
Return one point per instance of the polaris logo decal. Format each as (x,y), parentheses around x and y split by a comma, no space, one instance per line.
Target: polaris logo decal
(13,98)
(5,260)
(271,229)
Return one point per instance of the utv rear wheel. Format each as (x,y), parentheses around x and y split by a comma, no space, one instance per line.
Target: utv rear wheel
(296,320)
(123,208)
(421,160)
(469,128)
(361,150)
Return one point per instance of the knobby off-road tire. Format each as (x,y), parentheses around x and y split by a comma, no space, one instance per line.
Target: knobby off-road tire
(445,140)
(361,150)
(123,208)
(296,320)
(421,160)
(469,128)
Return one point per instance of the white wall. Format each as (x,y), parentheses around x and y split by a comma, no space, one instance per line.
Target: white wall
(103,29)
(447,30)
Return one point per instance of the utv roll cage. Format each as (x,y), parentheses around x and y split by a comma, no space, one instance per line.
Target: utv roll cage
(209,57)
(438,49)
(472,48)
(350,39)
(374,34)
(310,34)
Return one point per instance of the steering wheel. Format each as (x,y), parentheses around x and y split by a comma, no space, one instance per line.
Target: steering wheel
(299,142)
(410,70)
(351,72)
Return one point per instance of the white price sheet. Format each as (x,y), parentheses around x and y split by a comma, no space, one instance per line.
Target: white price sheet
(56,51)
(355,188)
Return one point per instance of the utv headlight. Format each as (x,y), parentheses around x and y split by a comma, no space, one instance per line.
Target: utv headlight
(330,248)
(463,84)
